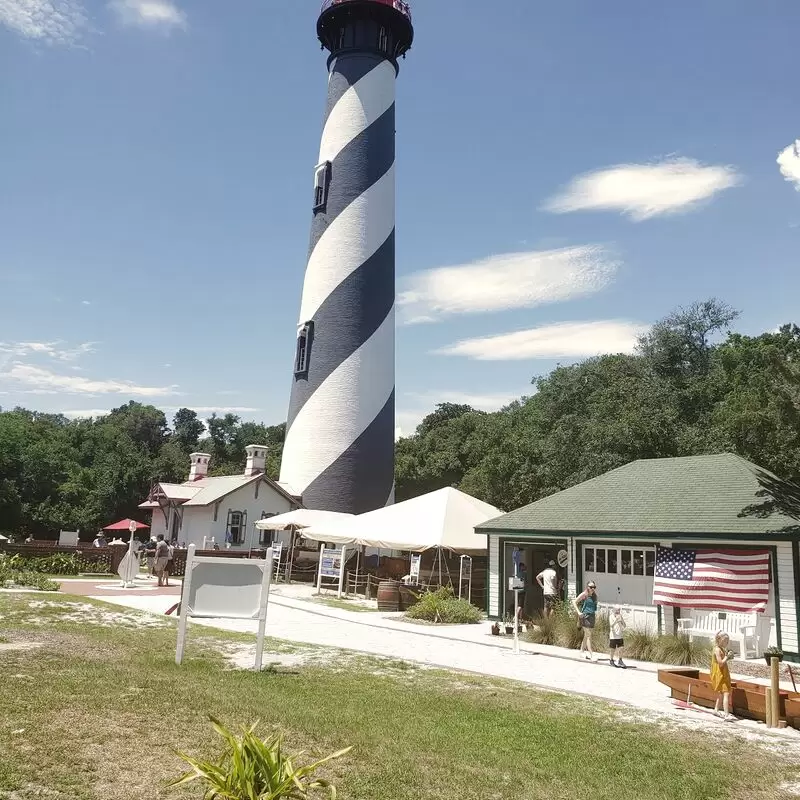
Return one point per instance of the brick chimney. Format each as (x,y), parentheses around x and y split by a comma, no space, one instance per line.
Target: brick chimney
(199,468)
(256,459)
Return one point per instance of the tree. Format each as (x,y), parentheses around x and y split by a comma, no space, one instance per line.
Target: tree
(187,430)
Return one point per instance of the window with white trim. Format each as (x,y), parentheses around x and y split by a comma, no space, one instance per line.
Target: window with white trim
(322,180)
(236,527)
(304,337)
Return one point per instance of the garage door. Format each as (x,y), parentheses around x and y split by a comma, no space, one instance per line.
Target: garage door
(623,574)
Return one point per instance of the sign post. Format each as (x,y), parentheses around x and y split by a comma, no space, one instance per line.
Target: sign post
(225,588)
(331,565)
(514,585)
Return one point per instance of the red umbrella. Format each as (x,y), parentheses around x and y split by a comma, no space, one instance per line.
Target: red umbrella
(125,525)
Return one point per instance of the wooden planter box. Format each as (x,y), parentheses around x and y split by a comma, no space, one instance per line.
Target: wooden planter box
(748,700)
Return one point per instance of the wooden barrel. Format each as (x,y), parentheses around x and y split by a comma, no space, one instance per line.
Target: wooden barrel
(389,596)
(409,595)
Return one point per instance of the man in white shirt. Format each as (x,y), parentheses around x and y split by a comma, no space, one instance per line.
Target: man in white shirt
(548,580)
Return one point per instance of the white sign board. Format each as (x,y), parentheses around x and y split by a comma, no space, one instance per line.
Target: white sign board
(331,565)
(515,584)
(563,558)
(225,588)
(416,562)
(68,538)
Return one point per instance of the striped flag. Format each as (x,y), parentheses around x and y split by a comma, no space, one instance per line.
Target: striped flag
(727,580)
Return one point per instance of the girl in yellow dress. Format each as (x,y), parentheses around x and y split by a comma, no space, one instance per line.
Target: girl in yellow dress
(721,675)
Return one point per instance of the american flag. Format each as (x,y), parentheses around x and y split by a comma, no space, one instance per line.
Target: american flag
(728,580)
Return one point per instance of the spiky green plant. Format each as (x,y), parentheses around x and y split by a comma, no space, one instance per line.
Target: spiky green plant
(681,651)
(252,768)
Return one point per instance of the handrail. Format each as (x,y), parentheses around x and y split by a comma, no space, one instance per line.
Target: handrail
(399,5)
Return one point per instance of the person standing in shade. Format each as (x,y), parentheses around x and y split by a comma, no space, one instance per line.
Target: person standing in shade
(585,604)
(100,540)
(162,558)
(548,580)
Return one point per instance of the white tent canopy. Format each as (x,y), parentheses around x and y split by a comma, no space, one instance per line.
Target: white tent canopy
(445,518)
(301,518)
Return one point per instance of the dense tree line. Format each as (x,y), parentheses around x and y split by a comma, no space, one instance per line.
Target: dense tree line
(691,387)
(57,473)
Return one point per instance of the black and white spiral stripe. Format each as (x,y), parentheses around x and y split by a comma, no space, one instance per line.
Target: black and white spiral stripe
(339,450)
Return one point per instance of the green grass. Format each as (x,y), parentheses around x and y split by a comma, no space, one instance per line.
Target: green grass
(96,713)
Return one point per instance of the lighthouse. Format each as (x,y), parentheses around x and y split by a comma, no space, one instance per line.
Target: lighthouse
(339,449)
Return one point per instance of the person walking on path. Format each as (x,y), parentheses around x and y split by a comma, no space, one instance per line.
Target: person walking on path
(615,641)
(587,615)
(162,558)
(721,675)
(548,580)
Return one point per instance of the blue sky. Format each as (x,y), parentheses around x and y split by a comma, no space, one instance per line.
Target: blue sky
(567,173)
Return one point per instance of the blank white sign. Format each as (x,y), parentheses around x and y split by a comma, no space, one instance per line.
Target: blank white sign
(230,590)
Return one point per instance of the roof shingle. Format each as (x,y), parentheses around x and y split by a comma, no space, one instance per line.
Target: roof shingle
(694,495)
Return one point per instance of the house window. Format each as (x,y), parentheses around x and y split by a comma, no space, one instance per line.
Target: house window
(588,559)
(650,562)
(627,563)
(611,563)
(266,538)
(638,562)
(237,525)
(322,179)
(303,349)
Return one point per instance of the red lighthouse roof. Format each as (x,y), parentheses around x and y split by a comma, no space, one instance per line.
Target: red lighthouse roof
(398,5)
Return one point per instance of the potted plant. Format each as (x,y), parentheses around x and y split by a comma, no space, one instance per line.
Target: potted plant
(496,629)
(508,621)
(772,652)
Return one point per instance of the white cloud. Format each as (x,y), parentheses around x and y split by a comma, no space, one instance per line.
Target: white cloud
(642,191)
(86,413)
(789,163)
(161,14)
(55,350)
(513,280)
(43,381)
(53,21)
(86,302)
(562,340)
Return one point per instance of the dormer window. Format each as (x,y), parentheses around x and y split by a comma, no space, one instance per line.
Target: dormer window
(322,179)
(304,337)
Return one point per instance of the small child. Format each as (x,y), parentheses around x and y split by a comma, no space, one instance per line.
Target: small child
(615,642)
(721,675)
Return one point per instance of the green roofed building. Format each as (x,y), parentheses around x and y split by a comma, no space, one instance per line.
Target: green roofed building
(608,530)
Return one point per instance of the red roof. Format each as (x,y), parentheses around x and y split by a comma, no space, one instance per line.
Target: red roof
(125,525)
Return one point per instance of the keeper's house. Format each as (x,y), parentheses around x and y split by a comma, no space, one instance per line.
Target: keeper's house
(607,530)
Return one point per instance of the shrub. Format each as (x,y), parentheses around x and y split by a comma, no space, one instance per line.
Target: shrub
(443,607)
(681,651)
(640,645)
(252,768)
(56,564)
(11,575)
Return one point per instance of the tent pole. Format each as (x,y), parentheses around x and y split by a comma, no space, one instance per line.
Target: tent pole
(291,554)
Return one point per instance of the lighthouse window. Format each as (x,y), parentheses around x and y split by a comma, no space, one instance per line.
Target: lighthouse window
(322,175)
(303,349)
(383,40)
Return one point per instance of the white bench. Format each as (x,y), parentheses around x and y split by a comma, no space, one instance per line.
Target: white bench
(741,628)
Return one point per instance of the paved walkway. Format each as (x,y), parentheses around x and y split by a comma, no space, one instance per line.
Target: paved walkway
(104,588)
(470,648)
